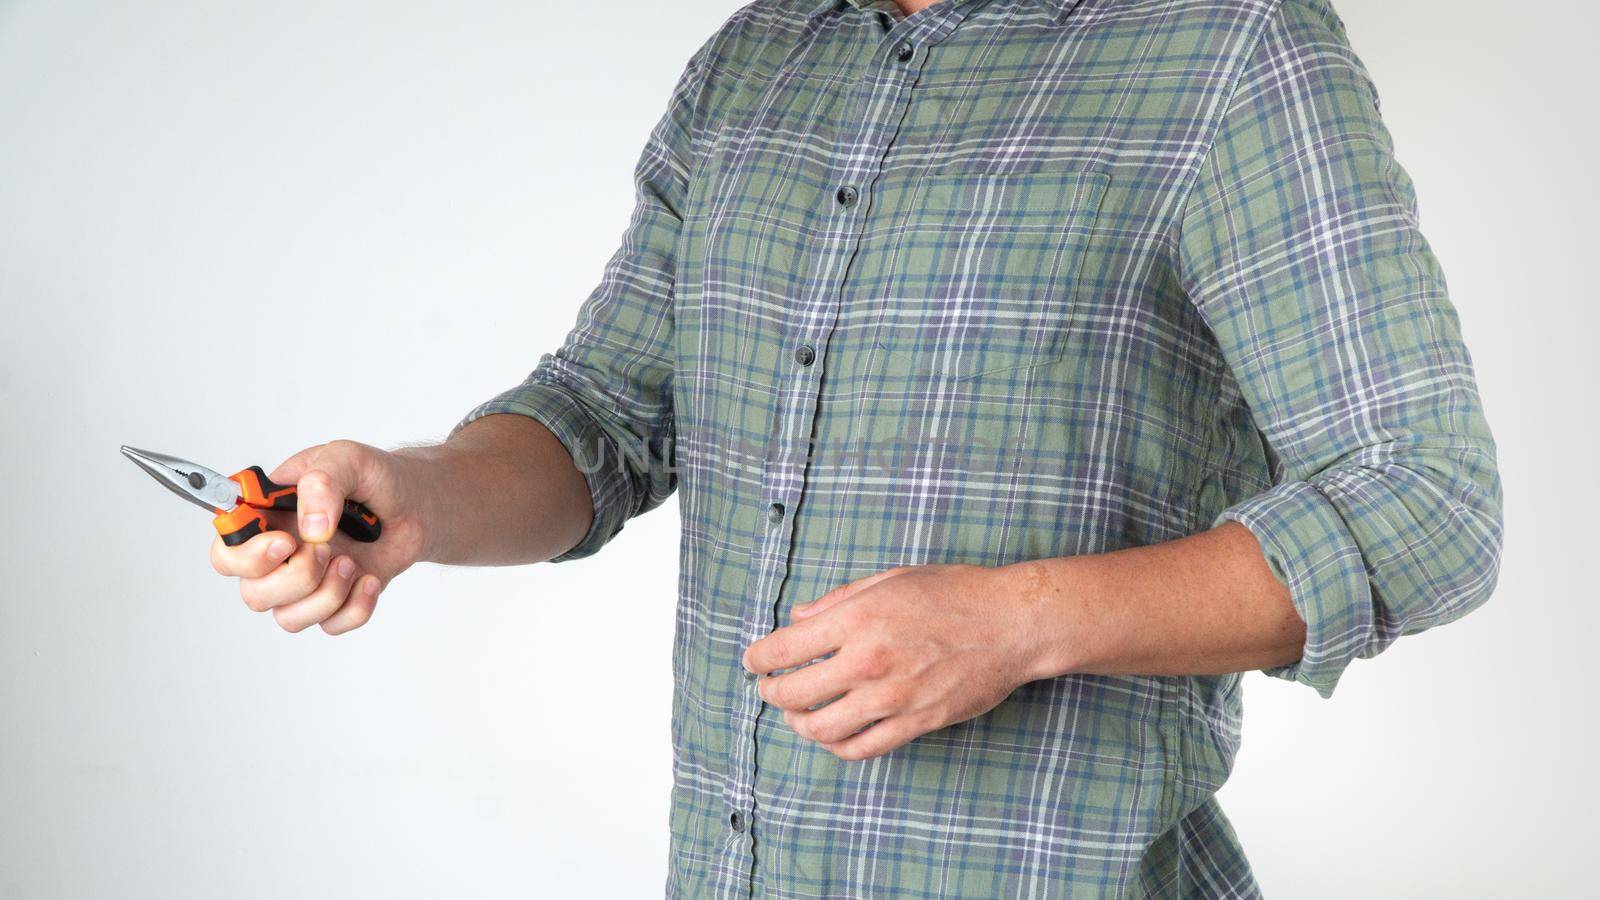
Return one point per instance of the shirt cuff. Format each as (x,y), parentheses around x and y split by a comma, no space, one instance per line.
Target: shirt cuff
(1309,549)
(558,410)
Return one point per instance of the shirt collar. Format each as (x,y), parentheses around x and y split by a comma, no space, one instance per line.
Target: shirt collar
(1058,9)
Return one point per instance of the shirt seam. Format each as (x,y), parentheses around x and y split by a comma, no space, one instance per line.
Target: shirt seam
(1175,246)
(1175,243)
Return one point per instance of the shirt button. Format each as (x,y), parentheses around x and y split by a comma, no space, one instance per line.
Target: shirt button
(847,196)
(903,51)
(775,513)
(804,355)
(736,821)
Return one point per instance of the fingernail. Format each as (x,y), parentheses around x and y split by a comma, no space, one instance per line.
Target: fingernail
(371,586)
(280,549)
(346,566)
(314,527)
(322,552)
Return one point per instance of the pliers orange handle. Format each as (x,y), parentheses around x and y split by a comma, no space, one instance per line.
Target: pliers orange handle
(258,492)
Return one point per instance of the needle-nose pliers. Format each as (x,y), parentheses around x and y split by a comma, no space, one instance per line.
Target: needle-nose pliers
(238,499)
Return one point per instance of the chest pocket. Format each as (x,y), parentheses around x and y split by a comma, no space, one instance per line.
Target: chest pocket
(979,270)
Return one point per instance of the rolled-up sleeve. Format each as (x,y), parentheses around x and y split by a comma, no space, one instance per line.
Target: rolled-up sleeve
(606,393)
(1300,247)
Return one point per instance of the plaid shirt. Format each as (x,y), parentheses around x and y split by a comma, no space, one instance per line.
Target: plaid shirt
(1004,280)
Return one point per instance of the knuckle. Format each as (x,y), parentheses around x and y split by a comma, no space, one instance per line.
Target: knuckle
(777,647)
(305,580)
(876,660)
(346,450)
(354,456)
(830,733)
(852,619)
(782,694)
(315,480)
(251,596)
(286,622)
(896,696)
(879,628)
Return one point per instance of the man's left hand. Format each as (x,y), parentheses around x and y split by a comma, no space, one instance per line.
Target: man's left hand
(913,650)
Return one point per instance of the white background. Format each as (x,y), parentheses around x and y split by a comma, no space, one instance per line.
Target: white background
(231,230)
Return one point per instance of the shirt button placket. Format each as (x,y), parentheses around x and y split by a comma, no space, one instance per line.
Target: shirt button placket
(888,95)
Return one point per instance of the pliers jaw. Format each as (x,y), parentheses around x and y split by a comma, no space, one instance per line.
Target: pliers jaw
(191,481)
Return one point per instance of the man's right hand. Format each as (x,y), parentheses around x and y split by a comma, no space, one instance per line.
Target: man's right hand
(304,570)
(501,491)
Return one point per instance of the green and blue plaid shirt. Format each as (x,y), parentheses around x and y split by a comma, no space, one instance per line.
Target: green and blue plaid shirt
(1004,280)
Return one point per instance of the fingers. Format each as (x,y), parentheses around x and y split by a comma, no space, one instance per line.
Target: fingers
(357,608)
(294,579)
(838,720)
(842,593)
(884,735)
(808,686)
(808,637)
(793,645)
(324,476)
(323,602)
(253,558)
(299,579)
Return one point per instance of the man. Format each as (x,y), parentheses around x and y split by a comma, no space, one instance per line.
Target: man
(1035,365)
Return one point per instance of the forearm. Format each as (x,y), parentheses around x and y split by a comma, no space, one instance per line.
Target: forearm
(1201,605)
(501,491)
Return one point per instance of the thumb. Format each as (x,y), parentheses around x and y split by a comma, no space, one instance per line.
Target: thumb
(289,471)
(324,476)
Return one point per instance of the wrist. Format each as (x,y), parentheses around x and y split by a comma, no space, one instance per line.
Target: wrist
(420,469)
(1049,615)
